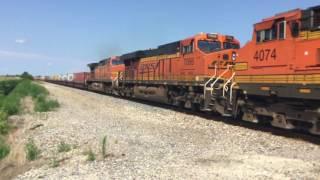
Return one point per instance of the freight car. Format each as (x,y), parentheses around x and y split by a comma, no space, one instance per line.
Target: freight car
(80,79)
(274,78)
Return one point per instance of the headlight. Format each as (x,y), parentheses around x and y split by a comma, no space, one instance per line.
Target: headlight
(234,56)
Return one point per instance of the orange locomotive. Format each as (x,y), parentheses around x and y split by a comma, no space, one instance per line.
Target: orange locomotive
(278,71)
(104,74)
(187,73)
(177,73)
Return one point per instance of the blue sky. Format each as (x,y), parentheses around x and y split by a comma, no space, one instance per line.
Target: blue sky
(59,36)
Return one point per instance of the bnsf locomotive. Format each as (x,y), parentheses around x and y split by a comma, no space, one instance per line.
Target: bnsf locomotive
(278,72)
(274,78)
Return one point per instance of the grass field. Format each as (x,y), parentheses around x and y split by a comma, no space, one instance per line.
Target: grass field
(3,78)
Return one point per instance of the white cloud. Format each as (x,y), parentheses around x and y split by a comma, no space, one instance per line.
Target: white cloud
(21,41)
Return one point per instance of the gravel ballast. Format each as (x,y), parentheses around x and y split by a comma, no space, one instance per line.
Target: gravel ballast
(148,142)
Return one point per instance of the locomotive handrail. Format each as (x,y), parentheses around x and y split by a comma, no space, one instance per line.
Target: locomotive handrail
(115,82)
(225,88)
(219,77)
(231,88)
(212,77)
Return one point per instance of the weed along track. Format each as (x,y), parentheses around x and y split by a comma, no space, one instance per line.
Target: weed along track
(93,136)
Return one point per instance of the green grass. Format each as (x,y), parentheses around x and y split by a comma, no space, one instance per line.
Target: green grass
(6,86)
(45,105)
(2,97)
(11,103)
(90,155)
(64,147)
(54,162)
(4,149)
(14,91)
(4,127)
(4,78)
(32,151)
(104,144)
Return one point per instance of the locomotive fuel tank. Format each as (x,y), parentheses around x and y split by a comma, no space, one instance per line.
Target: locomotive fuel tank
(157,94)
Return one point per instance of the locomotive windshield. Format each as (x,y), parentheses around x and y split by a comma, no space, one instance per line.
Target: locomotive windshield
(229,45)
(209,46)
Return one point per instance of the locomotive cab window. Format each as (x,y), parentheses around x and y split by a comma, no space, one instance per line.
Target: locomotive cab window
(229,45)
(117,62)
(187,49)
(259,36)
(209,46)
(267,34)
(295,29)
(282,30)
(272,33)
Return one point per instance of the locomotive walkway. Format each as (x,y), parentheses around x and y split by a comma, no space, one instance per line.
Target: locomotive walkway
(148,142)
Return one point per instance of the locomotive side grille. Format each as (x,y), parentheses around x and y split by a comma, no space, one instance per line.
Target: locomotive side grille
(316,18)
(160,57)
(308,35)
(310,79)
(310,19)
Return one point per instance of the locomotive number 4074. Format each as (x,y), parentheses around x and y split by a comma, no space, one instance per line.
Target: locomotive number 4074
(265,54)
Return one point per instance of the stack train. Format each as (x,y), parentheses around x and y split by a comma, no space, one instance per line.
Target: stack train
(274,78)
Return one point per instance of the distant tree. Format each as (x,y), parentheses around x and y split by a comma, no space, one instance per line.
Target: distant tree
(26,75)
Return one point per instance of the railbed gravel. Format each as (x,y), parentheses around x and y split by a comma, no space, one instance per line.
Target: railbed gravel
(148,142)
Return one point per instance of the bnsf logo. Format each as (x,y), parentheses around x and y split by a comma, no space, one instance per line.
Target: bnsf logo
(265,55)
